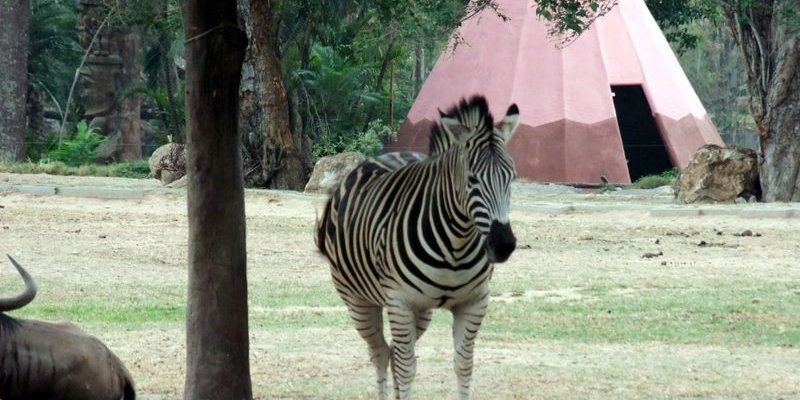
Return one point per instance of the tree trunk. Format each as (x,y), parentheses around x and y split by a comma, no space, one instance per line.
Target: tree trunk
(419,67)
(128,113)
(282,164)
(170,84)
(282,161)
(771,46)
(35,114)
(13,77)
(217,359)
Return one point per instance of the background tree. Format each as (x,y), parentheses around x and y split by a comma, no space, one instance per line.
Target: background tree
(13,77)
(217,361)
(53,55)
(768,34)
(274,150)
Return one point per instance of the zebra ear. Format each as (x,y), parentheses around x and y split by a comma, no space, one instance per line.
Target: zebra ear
(509,124)
(454,128)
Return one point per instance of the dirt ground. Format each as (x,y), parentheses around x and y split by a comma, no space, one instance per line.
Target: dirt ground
(131,249)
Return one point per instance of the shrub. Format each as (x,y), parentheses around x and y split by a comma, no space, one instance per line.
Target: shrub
(654,181)
(80,149)
(369,142)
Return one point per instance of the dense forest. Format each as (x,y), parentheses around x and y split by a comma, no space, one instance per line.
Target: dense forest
(318,78)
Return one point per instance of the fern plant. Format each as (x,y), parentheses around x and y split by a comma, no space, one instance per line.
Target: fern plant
(80,149)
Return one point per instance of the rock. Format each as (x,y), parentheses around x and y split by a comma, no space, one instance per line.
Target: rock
(330,170)
(718,174)
(110,149)
(168,162)
(180,183)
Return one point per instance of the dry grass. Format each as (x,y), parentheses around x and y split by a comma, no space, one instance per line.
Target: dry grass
(576,314)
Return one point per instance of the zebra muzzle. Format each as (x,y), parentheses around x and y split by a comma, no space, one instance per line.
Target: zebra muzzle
(500,242)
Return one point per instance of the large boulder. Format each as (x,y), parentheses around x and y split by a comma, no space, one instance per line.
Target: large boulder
(329,171)
(719,174)
(168,162)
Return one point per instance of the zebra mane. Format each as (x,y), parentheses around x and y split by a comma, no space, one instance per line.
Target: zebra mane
(472,114)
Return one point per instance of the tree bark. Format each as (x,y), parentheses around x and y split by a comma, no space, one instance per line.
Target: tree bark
(129,108)
(217,362)
(419,67)
(282,161)
(35,114)
(170,84)
(771,45)
(13,77)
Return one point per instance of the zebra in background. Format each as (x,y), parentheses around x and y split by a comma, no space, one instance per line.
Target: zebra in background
(410,234)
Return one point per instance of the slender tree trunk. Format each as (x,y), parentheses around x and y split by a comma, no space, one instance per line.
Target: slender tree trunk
(217,362)
(387,61)
(170,83)
(770,41)
(419,67)
(391,97)
(129,108)
(305,45)
(13,77)
(35,114)
(282,163)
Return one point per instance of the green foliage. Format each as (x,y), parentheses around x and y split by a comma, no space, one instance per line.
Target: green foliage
(654,181)
(569,18)
(369,142)
(53,51)
(80,149)
(133,169)
(158,95)
(338,97)
(37,150)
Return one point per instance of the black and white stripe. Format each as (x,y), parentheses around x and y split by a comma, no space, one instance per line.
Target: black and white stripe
(410,233)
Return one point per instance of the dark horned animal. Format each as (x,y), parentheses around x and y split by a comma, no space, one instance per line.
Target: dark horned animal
(42,360)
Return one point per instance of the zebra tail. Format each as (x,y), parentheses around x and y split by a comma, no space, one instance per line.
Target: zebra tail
(321,226)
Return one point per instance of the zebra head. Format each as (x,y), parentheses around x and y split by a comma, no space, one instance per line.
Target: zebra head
(489,168)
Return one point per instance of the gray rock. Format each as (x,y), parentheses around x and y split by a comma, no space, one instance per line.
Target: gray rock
(168,162)
(329,171)
(718,174)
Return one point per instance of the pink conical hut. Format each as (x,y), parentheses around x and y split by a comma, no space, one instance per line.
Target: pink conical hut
(614,103)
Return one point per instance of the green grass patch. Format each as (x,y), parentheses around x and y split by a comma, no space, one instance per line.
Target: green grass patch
(653,181)
(134,169)
(738,316)
(127,315)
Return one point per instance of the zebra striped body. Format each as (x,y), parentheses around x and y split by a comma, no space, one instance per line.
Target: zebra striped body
(411,233)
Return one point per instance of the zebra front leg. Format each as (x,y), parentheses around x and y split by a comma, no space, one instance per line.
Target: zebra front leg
(403,324)
(467,320)
(369,324)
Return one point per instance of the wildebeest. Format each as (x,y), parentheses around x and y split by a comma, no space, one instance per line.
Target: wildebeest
(55,360)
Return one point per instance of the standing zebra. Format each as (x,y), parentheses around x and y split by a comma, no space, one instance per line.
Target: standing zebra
(410,233)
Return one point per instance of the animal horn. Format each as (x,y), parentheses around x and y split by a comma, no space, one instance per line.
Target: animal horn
(21,300)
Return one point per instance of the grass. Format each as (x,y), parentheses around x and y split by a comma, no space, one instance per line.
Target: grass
(95,314)
(654,181)
(134,169)
(762,315)
(568,319)
(767,315)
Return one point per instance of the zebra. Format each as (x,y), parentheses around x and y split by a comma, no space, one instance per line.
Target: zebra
(411,233)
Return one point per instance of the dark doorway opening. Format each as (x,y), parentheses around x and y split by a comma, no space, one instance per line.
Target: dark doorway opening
(644,147)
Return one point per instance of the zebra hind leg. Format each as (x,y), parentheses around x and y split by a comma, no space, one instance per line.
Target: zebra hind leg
(368,320)
(467,320)
(423,319)
(403,324)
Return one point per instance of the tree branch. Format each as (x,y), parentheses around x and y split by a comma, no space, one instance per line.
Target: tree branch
(80,67)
